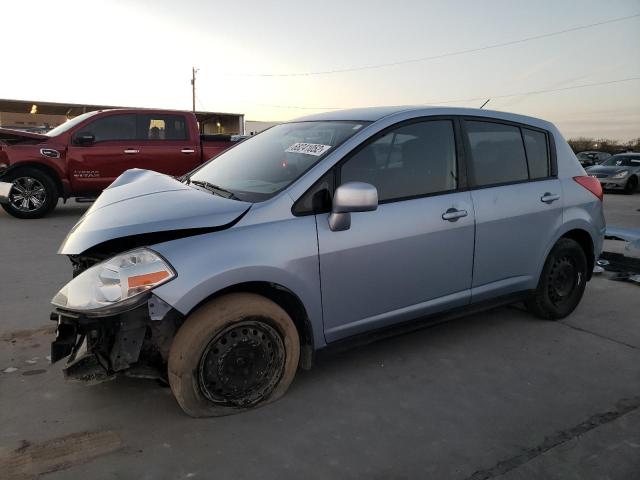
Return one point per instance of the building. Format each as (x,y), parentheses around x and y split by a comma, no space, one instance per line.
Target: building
(43,116)
(252,127)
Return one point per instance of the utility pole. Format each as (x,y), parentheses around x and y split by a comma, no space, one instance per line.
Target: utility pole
(194,70)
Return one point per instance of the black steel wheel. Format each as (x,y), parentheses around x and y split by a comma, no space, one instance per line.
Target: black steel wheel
(33,195)
(562,281)
(235,352)
(242,364)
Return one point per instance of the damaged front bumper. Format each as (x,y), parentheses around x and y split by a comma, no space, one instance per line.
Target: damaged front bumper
(134,343)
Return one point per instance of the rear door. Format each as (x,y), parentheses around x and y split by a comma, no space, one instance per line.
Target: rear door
(517,201)
(411,256)
(165,144)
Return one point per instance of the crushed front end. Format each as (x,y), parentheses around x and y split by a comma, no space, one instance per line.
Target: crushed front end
(129,343)
(109,322)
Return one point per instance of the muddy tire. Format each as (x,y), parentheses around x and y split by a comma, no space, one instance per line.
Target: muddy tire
(561,283)
(236,352)
(34,193)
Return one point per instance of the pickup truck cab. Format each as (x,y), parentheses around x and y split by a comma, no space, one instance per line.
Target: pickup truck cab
(81,157)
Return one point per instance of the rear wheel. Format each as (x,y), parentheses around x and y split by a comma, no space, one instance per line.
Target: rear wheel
(236,352)
(631,186)
(33,195)
(562,281)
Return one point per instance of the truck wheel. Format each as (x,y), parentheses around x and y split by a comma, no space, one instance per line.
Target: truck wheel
(631,185)
(561,283)
(234,353)
(34,193)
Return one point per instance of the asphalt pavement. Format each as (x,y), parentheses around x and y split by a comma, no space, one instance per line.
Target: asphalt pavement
(494,395)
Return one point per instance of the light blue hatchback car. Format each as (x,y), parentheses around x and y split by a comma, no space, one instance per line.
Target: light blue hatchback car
(318,231)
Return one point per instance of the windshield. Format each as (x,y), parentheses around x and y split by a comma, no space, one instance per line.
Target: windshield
(70,124)
(622,161)
(262,166)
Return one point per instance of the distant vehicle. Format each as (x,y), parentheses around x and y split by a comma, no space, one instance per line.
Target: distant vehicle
(618,172)
(316,231)
(84,155)
(590,158)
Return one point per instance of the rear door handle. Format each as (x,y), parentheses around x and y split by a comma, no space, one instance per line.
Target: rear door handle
(453,214)
(131,151)
(187,150)
(549,197)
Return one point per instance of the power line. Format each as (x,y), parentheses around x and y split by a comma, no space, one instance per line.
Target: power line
(434,57)
(474,99)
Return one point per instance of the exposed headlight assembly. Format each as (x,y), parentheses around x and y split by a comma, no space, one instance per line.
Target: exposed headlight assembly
(621,174)
(115,285)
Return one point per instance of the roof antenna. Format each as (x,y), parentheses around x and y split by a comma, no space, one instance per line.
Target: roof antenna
(488,100)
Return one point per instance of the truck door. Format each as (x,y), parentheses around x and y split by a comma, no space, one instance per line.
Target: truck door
(165,143)
(101,150)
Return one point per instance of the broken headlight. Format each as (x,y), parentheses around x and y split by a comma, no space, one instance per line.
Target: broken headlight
(116,284)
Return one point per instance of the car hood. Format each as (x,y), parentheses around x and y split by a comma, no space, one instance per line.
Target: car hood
(16,136)
(609,170)
(142,207)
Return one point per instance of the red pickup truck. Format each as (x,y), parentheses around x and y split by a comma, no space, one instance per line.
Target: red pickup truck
(84,155)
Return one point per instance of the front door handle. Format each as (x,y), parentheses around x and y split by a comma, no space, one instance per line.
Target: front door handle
(131,151)
(453,214)
(549,197)
(187,150)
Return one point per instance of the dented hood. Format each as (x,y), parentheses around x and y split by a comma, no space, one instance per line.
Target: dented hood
(145,207)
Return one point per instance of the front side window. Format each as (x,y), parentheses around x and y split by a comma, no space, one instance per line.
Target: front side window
(112,127)
(263,165)
(497,153)
(409,161)
(161,127)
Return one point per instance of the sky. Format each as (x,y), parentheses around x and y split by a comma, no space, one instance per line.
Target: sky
(139,53)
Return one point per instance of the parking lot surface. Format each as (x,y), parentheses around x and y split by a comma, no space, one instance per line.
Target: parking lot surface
(494,395)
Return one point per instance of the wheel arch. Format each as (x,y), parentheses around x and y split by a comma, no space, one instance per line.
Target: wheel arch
(44,168)
(583,238)
(284,298)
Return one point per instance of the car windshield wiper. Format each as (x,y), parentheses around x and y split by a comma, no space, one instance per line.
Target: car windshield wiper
(218,190)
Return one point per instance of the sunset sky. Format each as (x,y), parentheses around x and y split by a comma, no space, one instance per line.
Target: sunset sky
(140,53)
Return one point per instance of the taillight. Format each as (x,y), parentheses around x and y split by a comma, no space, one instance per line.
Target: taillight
(590,183)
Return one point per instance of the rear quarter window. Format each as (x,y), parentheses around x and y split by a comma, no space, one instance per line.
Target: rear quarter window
(537,148)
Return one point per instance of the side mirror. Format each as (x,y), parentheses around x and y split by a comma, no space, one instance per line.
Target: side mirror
(84,138)
(351,197)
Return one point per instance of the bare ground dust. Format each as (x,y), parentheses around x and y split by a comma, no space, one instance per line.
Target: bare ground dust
(494,395)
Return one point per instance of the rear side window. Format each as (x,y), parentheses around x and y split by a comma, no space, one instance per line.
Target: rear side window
(409,161)
(113,127)
(497,153)
(537,153)
(161,127)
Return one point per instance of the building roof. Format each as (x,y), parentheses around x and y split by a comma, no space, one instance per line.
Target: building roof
(75,109)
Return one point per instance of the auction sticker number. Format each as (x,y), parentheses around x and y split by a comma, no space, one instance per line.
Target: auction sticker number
(314,149)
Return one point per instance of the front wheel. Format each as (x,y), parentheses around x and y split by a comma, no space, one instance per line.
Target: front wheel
(561,283)
(236,352)
(33,195)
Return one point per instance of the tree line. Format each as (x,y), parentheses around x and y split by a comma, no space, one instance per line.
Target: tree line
(581,144)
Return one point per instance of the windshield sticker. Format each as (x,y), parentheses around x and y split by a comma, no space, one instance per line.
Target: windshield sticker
(314,149)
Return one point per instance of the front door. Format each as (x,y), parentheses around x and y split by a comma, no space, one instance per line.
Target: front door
(412,256)
(93,166)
